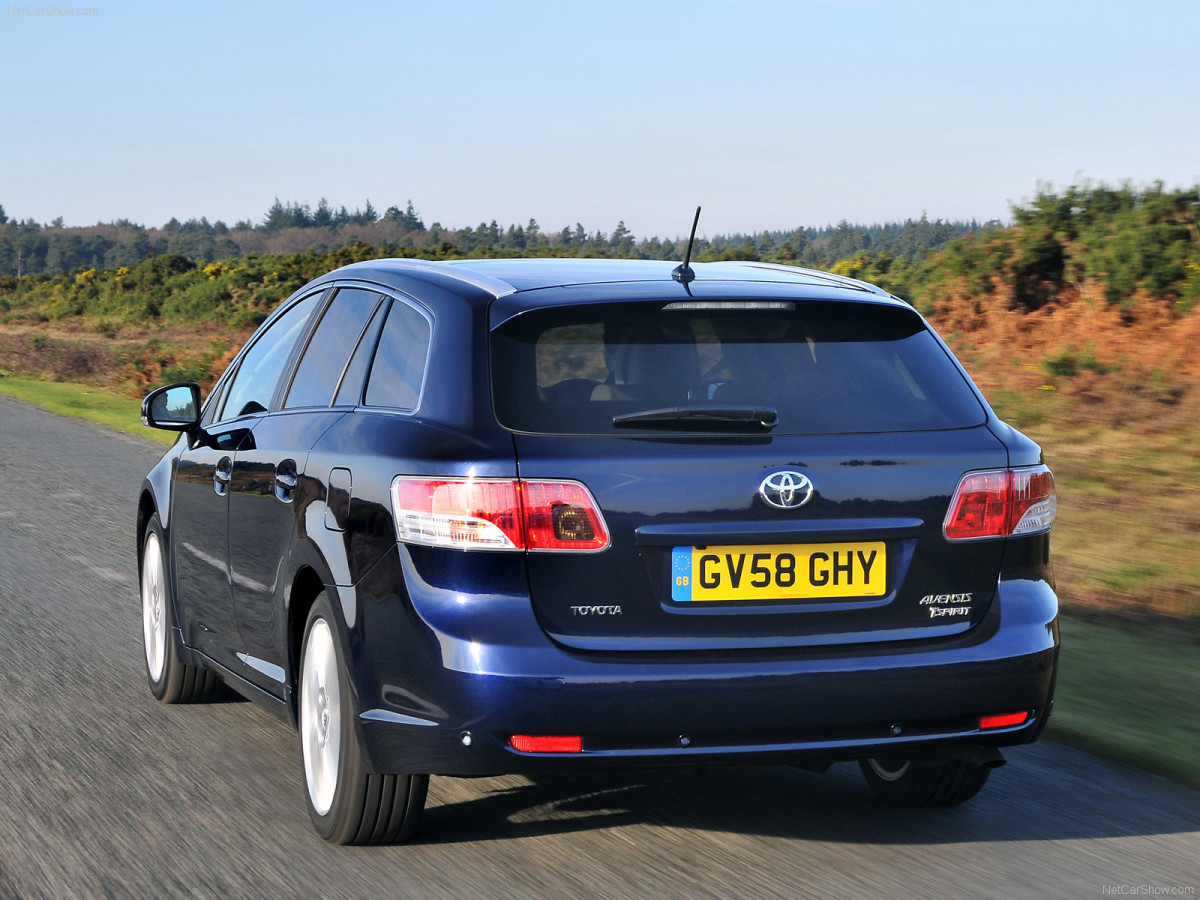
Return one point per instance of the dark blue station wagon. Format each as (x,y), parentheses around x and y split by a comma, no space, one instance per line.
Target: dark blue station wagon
(525,516)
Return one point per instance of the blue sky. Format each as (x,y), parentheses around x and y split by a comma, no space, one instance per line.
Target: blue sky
(770,114)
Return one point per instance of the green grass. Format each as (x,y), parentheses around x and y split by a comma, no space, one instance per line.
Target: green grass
(1131,692)
(1127,577)
(83,402)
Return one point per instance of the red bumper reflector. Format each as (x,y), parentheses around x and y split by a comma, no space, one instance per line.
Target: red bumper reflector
(1005,720)
(541,743)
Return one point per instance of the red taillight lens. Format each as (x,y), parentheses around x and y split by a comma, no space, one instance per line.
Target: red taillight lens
(1004,720)
(497,514)
(1000,503)
(979,508)
(541,743)
(561,515)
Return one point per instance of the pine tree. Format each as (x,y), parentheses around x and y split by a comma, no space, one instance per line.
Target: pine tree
(411,221)
(323,217)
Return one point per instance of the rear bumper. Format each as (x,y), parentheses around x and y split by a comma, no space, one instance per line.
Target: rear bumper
(442,693)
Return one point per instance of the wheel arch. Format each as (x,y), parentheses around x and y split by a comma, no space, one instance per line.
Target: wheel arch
(146,508)
(155,497)
(306,587)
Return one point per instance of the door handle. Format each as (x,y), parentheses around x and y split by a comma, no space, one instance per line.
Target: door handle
(285,481)
(222,475)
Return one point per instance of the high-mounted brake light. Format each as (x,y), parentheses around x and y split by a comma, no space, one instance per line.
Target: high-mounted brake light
(1000,503)
(740,305)
(543,743)
(497,514)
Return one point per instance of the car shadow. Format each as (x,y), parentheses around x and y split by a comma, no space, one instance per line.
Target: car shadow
(1052,794)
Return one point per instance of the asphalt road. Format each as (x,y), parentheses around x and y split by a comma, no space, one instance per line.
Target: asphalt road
(106,793)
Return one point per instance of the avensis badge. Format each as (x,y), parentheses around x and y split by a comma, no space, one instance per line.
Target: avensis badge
(786,490)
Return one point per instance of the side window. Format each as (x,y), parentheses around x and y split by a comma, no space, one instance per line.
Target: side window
(399,365)
(255,380)
(213,404)
(330,346)
(350,391)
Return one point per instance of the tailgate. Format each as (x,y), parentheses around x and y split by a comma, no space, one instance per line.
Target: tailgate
(700,559)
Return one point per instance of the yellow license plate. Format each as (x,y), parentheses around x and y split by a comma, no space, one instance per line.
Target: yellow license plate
(779,572)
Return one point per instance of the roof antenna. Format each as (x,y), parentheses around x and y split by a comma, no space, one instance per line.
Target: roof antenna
(685,274)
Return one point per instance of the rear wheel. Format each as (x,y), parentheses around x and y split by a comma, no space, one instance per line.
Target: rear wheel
(903,782)
(347,804)
(171,680)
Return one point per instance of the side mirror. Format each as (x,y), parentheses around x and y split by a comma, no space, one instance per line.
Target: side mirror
(175,407)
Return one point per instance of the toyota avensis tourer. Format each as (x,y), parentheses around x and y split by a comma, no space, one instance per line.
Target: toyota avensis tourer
(528,516)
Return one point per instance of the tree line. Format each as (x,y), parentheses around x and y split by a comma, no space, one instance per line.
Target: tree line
(1125,244)
(31,248)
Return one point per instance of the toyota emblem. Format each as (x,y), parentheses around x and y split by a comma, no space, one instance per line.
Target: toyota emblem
(786,490)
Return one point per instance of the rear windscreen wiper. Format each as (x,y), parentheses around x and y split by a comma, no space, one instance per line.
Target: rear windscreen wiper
(702,418)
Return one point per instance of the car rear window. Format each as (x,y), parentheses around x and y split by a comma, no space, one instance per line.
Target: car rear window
(825,367)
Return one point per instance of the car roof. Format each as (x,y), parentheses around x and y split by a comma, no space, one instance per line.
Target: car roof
(535,274)
(518,280)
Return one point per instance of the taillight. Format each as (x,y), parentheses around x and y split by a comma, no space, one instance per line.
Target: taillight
(483,513)
(561,515)
(497,514)
(1000,503)
(1034,501)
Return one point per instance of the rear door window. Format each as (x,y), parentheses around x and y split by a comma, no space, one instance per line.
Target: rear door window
(350,391)
(823,367)
(329,349)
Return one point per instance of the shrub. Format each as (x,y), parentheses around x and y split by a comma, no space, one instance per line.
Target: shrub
(1068,363)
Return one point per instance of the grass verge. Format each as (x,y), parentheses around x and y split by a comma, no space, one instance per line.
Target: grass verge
(84,402)
(1131,692)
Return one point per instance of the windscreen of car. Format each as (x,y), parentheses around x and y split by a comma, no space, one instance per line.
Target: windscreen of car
(794,367)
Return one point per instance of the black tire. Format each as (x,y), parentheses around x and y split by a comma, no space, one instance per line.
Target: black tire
(171,680)
(903,782)
(347,804)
